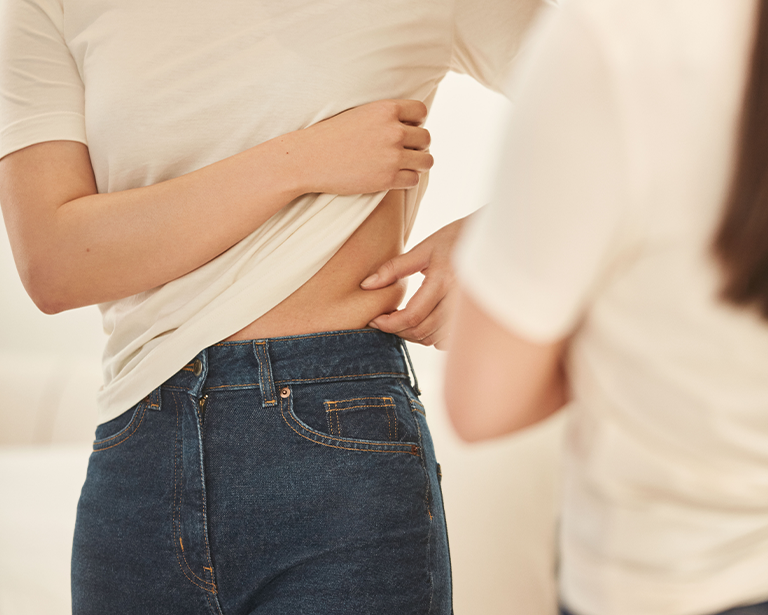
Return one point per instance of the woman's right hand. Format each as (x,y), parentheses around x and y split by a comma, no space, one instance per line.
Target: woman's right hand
(374,147)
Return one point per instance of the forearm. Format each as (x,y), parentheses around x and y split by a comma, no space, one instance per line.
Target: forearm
(100,247)
(497,382)
(75,247)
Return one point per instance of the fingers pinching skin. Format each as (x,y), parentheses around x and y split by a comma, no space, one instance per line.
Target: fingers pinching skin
(424,318)
(428,331)
(396,268)
(414,314)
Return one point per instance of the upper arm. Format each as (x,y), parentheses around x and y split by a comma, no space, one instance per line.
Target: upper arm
(44,159)
(34,183)
(535,258)
(497,381)
(562,213)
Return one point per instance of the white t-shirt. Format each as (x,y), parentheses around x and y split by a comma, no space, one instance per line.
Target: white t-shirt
(159,88)
(613,184)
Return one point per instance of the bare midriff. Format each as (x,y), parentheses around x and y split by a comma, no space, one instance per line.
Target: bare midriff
(332,299)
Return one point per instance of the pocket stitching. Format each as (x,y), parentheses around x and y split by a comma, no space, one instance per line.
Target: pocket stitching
(413,449)
(386,402)
(178,494)
(137,418)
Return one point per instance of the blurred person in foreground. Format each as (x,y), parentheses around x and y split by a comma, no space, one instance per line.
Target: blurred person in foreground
(624,266)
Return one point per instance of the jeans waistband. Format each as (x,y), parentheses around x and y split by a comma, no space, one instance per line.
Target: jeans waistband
(316,357)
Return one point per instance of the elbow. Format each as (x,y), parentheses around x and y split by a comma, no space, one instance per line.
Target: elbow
(473,426)
(47,302)
(50,306)
(476,418)
(470,416)
(48,292)
(470,431)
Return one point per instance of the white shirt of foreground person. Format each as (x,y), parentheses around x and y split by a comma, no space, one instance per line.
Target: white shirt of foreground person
(613,184)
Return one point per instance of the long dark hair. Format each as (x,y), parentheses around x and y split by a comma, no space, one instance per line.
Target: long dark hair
(741,243)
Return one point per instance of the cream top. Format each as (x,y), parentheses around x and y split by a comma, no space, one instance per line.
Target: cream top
(159,89)
(612,185)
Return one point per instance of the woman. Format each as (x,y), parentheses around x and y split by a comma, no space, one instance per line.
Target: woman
(260,447)
(623,265)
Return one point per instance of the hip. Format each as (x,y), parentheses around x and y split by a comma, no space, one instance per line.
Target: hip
(295,473)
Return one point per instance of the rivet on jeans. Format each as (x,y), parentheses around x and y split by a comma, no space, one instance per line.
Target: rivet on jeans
(285,392)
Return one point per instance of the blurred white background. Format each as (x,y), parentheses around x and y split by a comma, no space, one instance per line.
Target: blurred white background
(500,497)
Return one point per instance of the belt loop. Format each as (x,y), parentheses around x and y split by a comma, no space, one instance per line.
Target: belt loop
(266,381)
(410,364)
(153,399)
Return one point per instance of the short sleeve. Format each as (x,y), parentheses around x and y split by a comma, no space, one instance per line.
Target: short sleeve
(488,35)
(535,256)
(41,92)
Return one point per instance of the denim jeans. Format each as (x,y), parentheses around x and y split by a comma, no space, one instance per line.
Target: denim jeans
(288,475)
(755,609)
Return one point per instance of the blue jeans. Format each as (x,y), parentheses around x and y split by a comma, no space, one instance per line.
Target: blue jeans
(289,475)
(755,609)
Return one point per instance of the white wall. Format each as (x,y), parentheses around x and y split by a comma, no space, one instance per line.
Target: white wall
(500,497)
(49,366)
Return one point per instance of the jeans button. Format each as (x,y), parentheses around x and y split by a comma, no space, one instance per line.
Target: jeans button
(197,366)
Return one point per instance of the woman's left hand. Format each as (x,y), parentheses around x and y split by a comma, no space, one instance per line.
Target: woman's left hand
(424,319)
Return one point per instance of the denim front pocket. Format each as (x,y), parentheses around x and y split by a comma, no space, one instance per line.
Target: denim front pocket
(118,430)
(372,414)
(365,418)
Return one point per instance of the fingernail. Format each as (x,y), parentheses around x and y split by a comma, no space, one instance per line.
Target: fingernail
(373,326)
(370,280)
